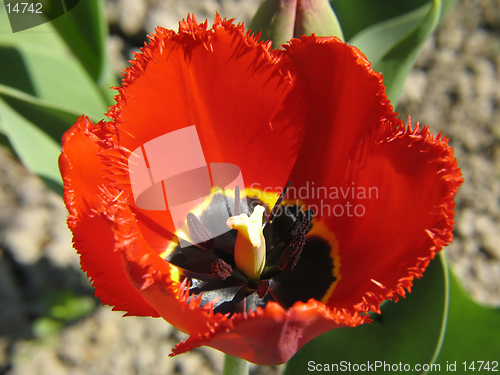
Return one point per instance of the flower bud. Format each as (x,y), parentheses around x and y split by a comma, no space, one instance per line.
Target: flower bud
(282,20)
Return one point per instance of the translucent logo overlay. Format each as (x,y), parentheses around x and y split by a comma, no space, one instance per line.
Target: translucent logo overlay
(170,173)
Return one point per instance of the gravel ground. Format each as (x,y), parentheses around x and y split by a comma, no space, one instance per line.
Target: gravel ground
(454,87)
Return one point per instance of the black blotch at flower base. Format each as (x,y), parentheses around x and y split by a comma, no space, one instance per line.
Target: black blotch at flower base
(298,267)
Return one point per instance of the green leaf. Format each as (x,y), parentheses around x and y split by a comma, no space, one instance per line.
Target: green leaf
(38,62)
(375,41)
(397,63)
(50,77)
(473,332)
(357,15)
(84,29)
(408,332)
(37,150)
(51,119)
(33,128)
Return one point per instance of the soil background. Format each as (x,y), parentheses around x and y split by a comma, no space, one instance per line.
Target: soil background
(454,87)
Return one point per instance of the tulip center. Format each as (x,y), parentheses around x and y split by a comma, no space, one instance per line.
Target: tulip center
(263,257)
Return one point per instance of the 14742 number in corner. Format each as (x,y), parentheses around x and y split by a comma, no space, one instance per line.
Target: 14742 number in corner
(24,8)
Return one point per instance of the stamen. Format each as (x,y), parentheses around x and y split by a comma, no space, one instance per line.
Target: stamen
(228,208)
(291,254)
(221,269)
(278,202)
(237,209)
(200,234)
(262,288)
(240,301)
(303,223)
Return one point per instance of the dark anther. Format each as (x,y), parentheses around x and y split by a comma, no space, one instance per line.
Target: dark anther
(221,269)
(303,224)
(291,254)
(300,228)
(200,233)
(306,225)
(262,288)
(237,210)
(278,202)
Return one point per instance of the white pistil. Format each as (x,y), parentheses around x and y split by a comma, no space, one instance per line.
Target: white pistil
(250,248)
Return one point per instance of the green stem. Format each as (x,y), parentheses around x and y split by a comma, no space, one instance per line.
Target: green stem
(235,366)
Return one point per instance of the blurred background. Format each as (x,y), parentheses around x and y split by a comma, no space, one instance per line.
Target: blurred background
(50,322)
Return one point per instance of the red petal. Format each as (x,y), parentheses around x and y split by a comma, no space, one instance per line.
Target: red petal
(271,336)
(225,83)
(83,171)
(81,146)
(391,237)
(346,101)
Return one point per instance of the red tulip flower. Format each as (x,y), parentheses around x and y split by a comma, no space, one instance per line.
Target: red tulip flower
(369,204)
